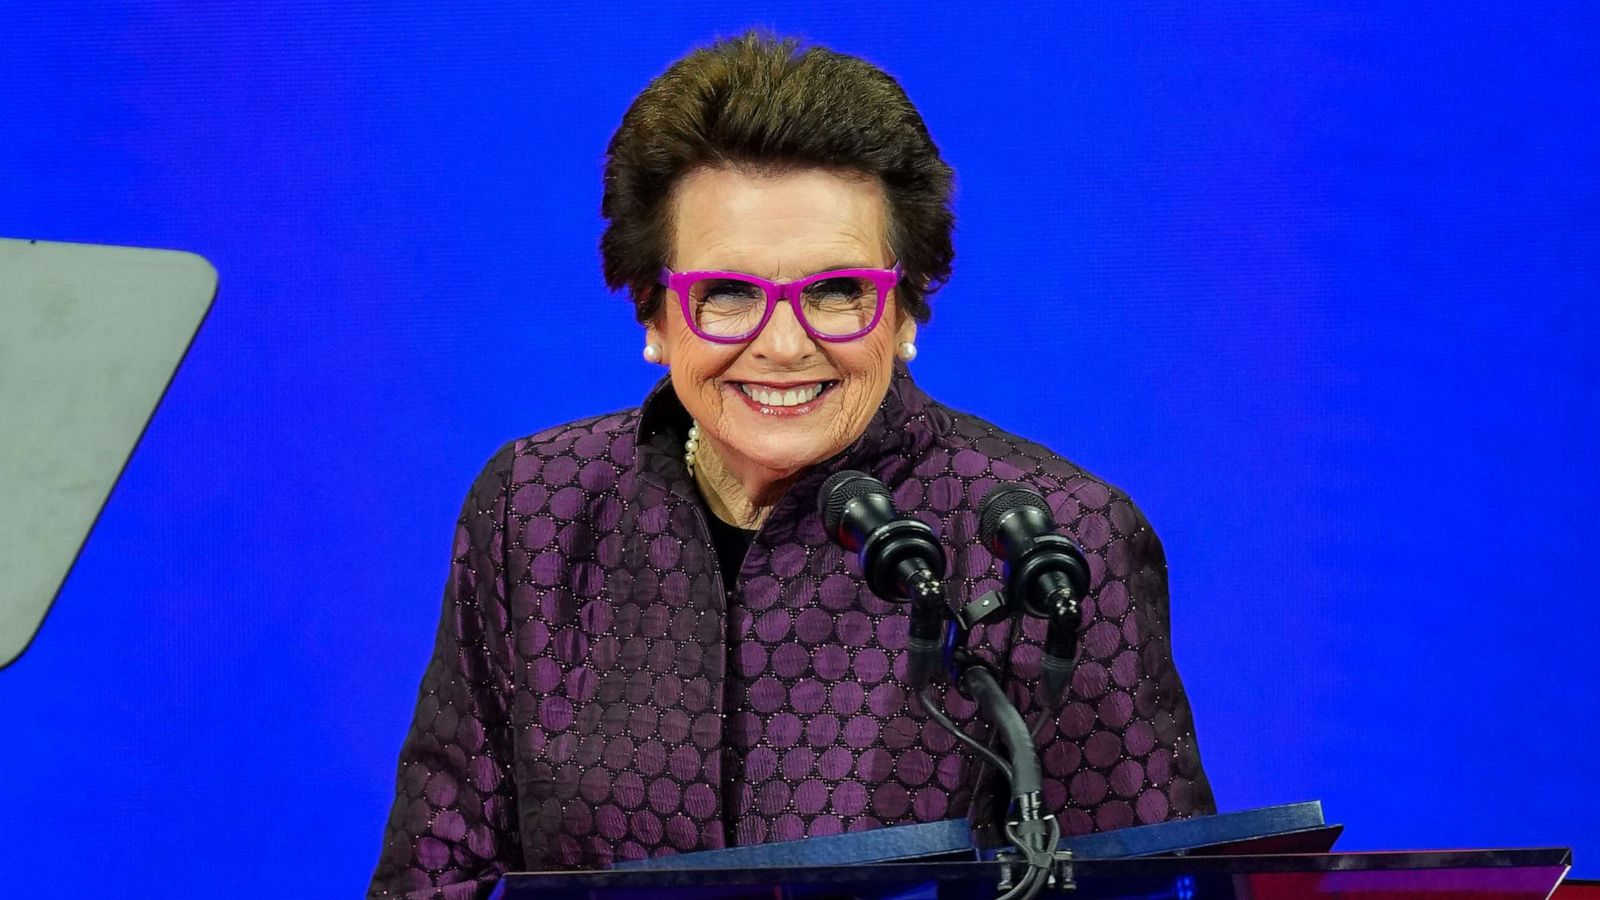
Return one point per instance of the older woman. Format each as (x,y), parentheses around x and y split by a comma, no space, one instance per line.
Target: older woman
(648,644)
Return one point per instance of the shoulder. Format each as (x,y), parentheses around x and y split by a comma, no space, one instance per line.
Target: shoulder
(608,435)
(978,454)
(590,453)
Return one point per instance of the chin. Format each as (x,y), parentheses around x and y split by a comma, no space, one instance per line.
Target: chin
(784,456)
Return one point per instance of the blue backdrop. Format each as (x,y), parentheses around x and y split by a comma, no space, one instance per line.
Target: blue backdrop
(1316,283)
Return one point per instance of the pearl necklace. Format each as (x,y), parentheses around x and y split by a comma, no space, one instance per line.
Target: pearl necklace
(691,445)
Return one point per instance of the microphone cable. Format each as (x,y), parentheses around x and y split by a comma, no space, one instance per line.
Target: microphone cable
(1039,866)
(948,724)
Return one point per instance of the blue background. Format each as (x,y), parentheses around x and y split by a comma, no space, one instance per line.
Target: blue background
(1316,283)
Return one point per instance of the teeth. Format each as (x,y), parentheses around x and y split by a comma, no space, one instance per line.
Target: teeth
(792,397)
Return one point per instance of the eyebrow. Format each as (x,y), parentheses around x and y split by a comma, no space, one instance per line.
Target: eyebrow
(834,267)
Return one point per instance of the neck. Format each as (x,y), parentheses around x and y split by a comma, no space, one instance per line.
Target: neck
(739,495)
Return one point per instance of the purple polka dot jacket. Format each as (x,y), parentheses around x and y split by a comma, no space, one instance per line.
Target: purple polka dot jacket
(595,696)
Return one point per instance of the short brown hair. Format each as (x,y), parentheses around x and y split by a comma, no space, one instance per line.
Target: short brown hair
(760,100)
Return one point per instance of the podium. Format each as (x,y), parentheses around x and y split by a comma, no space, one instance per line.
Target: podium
(1521,874)
(1262,854)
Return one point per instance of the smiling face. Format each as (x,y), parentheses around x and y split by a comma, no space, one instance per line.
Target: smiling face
(783,401)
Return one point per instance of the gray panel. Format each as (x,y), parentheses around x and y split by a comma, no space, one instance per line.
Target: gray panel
(89,339)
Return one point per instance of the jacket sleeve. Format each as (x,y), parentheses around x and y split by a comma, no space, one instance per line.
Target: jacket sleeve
(452,829)
(1121,748)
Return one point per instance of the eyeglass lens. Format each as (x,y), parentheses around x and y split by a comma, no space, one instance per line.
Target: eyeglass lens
(732,307)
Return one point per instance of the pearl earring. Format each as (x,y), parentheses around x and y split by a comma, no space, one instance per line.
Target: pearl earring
(652,353)
(908,351)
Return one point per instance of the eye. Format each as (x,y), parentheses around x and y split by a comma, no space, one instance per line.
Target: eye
(842,291)
(726,292)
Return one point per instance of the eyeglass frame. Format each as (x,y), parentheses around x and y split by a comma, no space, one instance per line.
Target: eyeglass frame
(885,280)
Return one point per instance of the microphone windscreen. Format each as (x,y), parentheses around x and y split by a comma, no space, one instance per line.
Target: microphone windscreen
(1003,498)
(839,490)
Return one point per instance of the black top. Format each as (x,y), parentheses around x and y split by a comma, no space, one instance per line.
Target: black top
(731,543)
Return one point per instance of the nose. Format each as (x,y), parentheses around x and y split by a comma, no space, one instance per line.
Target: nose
(784,340)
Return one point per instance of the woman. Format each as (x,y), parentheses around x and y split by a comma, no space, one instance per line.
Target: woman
(648,644)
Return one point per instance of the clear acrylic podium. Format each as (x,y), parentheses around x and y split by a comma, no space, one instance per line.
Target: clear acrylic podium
(1261,854)
(1522,874)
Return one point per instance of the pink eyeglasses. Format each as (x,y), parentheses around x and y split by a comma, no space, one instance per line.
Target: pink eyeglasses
(732,307)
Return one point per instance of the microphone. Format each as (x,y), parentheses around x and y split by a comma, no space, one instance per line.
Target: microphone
(1045,572)
(900,556)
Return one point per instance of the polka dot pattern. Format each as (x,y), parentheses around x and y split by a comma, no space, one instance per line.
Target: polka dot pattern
(595,696)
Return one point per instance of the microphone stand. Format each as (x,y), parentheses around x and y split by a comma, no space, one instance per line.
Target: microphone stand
(1033,832)
(901,559)
(926,643)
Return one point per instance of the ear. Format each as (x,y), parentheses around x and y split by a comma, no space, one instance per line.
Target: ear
(907,332)
(653,334)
